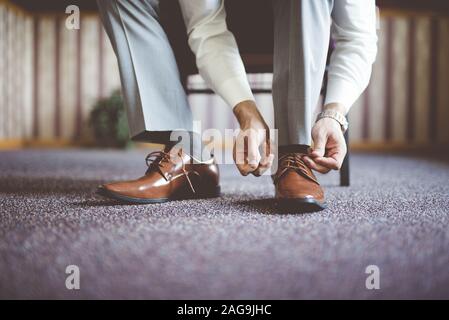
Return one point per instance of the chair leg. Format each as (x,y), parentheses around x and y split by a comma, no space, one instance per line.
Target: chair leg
(344,171)
(185,82)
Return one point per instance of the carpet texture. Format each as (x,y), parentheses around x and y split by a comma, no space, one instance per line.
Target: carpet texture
(395,215)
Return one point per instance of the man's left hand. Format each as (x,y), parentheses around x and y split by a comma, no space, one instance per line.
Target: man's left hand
(329,146)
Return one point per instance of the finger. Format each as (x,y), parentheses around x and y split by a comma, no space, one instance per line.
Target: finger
(327,162)
(319,144)
(268,146)
(335,157)
(239,155)
(242,169)
(251,155)
(315,166)
(267,157)
(264,165)
(339,156)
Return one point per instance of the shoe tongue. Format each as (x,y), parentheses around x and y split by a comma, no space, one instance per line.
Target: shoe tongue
(285,154)
(307,173)
(290,157)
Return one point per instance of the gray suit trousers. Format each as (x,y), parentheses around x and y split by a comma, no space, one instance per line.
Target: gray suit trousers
(301,43)
(154,96)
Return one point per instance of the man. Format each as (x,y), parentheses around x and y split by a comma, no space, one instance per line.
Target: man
(157,105)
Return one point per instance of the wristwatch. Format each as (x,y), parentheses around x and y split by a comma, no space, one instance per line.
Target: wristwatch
(337,116)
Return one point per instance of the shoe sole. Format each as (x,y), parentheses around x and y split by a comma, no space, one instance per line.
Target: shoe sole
(119,197)
(302,205)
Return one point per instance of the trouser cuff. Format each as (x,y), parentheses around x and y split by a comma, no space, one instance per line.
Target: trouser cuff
(190,142)
(294,148)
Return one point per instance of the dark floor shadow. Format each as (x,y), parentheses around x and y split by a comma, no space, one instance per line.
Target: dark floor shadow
(21,185)
(269,206)
(330,185)
(100,203)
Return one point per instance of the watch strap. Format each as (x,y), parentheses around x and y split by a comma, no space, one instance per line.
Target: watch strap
(337,116)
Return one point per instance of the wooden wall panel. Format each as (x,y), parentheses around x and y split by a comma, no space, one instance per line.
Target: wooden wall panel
(421,94)
(26,116)
(376,93)
(399,74)
(3,74)
(9,17)
(443,83)
(46,103)
(68,78)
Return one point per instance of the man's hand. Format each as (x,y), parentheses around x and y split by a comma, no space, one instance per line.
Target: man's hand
(329,146)
(253,135)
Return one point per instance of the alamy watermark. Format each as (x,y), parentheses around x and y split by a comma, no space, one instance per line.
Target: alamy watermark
(372,282)
(72,22)
(72,282)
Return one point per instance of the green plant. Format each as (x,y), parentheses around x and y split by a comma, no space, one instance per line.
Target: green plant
(109,123)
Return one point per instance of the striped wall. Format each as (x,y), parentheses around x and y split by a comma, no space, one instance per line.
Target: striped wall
(15,74)
(407,100)
(51,76)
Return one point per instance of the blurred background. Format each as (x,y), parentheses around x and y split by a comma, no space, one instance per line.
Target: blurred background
(59,94)
(52,78)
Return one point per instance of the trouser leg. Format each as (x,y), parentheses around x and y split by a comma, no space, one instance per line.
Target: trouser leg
(301,41)
(154,96)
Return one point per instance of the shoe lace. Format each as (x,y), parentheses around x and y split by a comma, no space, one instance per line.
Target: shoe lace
(294,161)
(155,161)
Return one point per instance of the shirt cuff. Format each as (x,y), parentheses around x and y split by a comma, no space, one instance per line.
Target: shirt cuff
(341,91)
(235,90)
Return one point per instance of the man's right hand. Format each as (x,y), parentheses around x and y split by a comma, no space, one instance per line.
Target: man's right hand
(253,137)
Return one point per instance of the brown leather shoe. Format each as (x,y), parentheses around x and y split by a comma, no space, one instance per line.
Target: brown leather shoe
(167,178)
(296,186)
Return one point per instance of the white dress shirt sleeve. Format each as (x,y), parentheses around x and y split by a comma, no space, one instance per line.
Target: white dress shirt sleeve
(354,33)
(217,56)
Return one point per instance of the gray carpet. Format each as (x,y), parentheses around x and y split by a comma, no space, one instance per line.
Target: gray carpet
(395,215)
